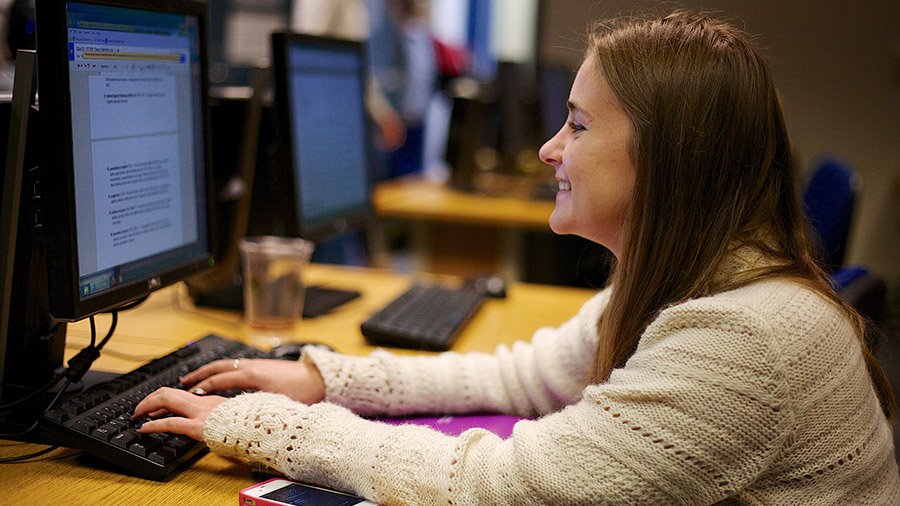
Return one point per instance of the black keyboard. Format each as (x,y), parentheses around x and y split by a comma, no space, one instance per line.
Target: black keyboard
(98,420)
(425,317)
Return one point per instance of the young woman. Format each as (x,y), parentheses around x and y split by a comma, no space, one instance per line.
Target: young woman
(717,365)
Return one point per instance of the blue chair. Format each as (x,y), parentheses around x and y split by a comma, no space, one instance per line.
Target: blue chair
(828,201)
(846,276)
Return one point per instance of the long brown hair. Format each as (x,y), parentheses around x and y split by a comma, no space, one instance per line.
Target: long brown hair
(714,173)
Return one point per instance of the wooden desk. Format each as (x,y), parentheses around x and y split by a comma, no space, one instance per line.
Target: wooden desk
(418,199)
(458,232)
(168,320)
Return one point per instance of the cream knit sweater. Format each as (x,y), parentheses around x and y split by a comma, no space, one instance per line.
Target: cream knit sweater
(755,396)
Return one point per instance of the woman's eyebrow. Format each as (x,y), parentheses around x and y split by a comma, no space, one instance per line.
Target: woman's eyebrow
(575,108)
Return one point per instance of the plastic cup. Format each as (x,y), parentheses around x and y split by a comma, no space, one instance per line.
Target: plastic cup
(274,286)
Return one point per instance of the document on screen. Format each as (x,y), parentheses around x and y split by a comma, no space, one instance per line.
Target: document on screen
(136,166)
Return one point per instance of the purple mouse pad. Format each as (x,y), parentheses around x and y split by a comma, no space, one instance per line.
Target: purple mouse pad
(501,425)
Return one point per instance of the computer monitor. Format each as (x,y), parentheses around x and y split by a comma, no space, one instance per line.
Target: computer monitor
(326,170)
(317,184)
(125,166)
(117,205)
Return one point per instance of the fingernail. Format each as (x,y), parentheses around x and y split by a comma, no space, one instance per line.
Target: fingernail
(138,425)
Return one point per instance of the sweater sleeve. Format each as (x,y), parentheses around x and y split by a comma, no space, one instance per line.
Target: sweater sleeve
(525,379)
(694,416)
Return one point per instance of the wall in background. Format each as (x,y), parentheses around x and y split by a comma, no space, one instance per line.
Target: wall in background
(837,65)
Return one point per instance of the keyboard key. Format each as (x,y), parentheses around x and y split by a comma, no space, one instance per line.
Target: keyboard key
(98,416)
(185,352)
(85,426)
(74,408)
(124,439)
(57,415)
(163,455)
(104,432)
(139,449)
(155,439)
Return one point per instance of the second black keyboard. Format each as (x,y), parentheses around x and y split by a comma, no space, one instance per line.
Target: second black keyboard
(98,420)
(425,317)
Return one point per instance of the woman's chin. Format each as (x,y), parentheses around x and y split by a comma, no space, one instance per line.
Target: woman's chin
(558,225)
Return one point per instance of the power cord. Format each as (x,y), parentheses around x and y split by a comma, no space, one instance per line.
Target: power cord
(32,395)
(40,390)
(19,458)
(77,367)
(84,354)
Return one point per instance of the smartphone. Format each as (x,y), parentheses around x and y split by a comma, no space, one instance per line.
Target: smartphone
(281,492)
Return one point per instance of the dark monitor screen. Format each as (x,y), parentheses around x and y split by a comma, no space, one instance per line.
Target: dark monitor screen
(123,115)
(320,86)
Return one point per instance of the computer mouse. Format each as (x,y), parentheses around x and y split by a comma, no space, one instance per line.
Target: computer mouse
(292,351)
(491,286)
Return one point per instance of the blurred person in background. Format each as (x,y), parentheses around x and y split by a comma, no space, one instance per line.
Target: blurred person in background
(403,68)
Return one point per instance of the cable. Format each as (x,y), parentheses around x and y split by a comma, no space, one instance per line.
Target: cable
(112,328)
(19,458)
(34,394)
(38,391)
(81,362)
(78,366)
(48,408)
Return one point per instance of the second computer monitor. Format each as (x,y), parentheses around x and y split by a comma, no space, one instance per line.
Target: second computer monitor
(320,86)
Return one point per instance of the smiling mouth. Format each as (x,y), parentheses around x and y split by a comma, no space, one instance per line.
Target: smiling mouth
(565,186)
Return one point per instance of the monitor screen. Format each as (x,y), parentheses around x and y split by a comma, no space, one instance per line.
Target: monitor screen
(320,86)
(123,109)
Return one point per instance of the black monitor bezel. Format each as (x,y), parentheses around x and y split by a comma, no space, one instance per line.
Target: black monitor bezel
(58,192)
(281,43)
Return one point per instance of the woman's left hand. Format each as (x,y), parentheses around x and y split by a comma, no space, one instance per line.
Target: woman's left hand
(188,412)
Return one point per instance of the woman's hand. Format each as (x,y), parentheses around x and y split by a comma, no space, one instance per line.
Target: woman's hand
(299,380)
(188,412)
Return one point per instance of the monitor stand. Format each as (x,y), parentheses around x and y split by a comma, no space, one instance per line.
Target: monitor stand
(31,344)
(319,300)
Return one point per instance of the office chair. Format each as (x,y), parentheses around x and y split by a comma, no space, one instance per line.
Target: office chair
(828,202)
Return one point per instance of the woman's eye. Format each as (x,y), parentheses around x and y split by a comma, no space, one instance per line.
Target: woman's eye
(575,127)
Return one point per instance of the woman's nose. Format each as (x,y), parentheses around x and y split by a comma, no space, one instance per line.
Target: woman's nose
(551,152)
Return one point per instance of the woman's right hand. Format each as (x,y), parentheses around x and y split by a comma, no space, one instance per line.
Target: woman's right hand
(299,380)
